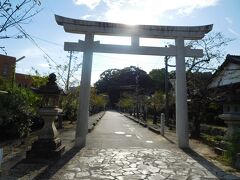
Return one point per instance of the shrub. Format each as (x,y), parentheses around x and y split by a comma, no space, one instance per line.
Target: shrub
(16,110)
(233,147)
(70,104)
(212,140)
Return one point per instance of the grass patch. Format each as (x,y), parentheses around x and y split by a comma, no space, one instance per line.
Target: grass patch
(212,140)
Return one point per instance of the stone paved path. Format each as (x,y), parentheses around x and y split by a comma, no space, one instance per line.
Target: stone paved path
(152,164)
(118,148)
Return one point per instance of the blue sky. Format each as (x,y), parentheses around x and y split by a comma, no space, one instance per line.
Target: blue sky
(224,14)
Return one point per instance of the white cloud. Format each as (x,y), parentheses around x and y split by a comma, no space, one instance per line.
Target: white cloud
(89,3)
(85,17)
(23,70)
(31,53)
(44,65)
(144,11)
(234,32)
(230,29)
(229,20)
(148,12)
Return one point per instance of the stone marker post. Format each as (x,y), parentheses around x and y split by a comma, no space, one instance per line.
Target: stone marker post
(1,159)
(162,123)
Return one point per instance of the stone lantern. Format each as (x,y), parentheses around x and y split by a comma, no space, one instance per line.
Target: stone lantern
(231,116)
(48,144)
(231,113)
(226,82)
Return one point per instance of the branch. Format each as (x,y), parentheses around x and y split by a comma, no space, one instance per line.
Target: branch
(20,17)
(3,49)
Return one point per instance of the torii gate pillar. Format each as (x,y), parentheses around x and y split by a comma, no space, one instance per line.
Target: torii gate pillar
(83,112)
(181,96)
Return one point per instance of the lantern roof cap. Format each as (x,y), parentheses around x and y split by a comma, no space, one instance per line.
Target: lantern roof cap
(50,88)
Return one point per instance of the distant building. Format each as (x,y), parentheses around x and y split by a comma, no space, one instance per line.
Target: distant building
(7,70)
(23,80)
(228,74)
(226,83)
(226,87)
(7,66)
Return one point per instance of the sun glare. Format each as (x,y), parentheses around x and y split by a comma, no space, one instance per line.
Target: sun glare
(131,17)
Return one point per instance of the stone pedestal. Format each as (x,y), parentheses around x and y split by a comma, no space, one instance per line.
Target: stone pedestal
(48,145)
(237,162)
(233,123)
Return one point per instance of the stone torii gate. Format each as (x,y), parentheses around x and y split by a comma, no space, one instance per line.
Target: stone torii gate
(91,28)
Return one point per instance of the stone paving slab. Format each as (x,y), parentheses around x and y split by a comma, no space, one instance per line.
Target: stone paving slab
(121,164)
(131,164)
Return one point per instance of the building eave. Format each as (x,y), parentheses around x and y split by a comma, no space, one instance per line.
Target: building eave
(229,59)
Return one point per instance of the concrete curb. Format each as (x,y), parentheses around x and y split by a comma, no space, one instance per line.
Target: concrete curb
(151,128)
(94,121)
(132,118)
(143,123)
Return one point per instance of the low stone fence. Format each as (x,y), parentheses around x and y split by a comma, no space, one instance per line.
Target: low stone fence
(211,130)
(93,120)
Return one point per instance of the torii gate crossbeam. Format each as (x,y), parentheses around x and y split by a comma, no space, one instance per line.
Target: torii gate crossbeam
(90,28)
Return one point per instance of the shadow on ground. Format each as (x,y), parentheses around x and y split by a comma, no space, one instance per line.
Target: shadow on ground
(53,168)
(219,173)
(169,140)
(40,169)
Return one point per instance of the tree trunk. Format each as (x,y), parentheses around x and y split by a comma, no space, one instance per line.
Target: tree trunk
(195,133)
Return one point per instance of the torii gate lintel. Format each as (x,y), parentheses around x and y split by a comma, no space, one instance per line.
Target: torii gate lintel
(88,46)
(131,49)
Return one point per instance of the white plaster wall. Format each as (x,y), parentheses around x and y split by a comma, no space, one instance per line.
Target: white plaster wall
(227,76)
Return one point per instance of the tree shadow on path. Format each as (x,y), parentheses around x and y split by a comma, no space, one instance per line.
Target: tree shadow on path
(39,168)
(53,168)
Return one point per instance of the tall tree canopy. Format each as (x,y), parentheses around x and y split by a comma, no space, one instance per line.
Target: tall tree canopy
(112,80)
(158,77)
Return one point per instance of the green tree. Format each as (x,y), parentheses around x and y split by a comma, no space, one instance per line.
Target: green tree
(70,103)
(97,101)
(38,80)
(112,80)
(4,84)
(156,104)
(158,77)
(109,83)
(126,103)
(17,108)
